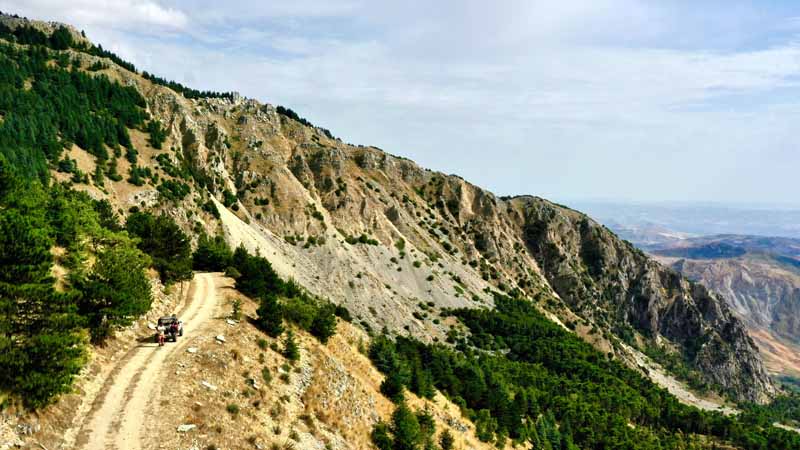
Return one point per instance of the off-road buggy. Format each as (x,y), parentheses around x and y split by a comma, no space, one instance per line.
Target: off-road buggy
(171,326)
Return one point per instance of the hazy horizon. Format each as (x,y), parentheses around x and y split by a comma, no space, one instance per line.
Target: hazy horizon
(612,98)
(701,219)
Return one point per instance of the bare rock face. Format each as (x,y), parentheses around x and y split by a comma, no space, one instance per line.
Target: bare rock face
(761,289)
(603,277)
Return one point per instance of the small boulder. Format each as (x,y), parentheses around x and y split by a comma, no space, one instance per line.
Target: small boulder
(208,385)
(220,338)
(192,350)
(183,428)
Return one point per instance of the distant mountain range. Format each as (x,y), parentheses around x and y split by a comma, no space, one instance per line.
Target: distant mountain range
(694,219)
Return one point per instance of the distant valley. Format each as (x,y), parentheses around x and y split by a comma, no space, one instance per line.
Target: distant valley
(692,219)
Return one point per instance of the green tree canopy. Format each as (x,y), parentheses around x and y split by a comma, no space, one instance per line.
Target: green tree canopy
(162,239)
(116,291)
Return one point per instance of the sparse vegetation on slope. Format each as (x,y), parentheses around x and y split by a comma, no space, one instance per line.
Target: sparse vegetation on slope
(257,279)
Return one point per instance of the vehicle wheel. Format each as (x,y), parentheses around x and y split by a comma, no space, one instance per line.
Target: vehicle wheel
(181,332)
(155,339)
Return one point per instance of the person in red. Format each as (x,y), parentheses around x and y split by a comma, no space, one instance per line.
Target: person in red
(173,329)
(160,336)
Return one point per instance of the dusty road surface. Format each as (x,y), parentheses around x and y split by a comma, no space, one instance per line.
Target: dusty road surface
(118,414)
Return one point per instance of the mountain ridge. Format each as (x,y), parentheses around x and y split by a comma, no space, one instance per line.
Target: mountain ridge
(383,236)
(241,143)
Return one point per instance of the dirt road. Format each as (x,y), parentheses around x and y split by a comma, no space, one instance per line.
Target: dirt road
(118,414)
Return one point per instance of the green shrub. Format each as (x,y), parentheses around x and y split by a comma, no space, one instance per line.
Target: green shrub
(290,348)
(446,440)
(343,313)
(269,315)
(157,133)
(228,199)
(211,208)
(236,312)
(324,324)
(173,190)
(212,254)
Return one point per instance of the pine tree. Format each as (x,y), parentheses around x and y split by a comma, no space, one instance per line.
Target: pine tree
(517,413)
(162,239)
(446,440)
(269,315)
(211,254)
(240,256)
(157,133)
(427,427)
(485,425)
(394,384)
(380,436)
(324,324)
(405,428)
(290,348)
(99,175)
(547,432)
(40,347)
(116,291)
(106,216)
(421,381)
(61,38)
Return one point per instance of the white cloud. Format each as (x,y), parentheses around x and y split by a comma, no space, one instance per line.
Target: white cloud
(134,15)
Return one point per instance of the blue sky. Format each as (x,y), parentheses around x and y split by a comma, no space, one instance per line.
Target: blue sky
(602,99)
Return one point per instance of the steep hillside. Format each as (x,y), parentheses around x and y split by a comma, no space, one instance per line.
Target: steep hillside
(381,235)
(759,277)
(763,291)
(390,240)
(633,295)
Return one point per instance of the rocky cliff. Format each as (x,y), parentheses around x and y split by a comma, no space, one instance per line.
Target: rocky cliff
(608,280)
(764,292)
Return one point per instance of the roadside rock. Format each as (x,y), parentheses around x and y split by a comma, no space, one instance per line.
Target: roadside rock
(186,427)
